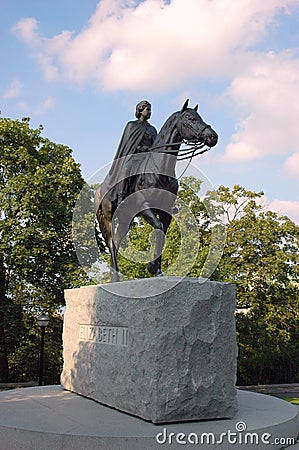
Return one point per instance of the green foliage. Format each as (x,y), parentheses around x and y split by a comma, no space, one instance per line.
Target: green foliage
(293,400)
(23,360)
(39,184)
(131,258)
(261,257)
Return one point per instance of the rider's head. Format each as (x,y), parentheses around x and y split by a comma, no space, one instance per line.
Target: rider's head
(141,106)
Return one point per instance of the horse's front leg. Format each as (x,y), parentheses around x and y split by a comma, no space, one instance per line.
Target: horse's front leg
(154,266)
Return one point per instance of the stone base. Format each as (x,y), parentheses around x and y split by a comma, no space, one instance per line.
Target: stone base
(163,349)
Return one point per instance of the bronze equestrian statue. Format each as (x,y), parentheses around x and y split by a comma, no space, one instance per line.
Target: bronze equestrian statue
(142,180)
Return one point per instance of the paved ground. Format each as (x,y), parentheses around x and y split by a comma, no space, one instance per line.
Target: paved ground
(283,392)
(72,422)
(280,391)
(290,392)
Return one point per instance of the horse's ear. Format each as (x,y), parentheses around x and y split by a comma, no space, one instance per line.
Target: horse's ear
(196,108)
(185,105)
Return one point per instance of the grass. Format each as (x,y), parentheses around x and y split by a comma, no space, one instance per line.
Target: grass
(294,400)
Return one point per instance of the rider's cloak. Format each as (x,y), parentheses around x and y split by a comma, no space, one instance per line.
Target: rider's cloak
(137,137)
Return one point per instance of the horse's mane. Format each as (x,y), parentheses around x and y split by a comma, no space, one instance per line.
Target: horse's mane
(165,130)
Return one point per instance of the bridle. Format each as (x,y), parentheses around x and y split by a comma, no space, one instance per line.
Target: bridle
(191,150)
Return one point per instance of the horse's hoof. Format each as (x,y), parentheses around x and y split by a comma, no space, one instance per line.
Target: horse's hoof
(115,277)
(152,267)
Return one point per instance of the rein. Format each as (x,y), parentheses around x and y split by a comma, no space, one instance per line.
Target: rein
(186,153)
(192,151)
(191,154)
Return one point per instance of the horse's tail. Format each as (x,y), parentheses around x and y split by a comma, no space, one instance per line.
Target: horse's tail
(102,228)
(97,199)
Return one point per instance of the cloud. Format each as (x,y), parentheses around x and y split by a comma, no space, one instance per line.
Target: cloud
(13,89)
(266,94)
(49,103)
(153,44)
(37,109)
(286,208)
(27,29)
(292,165)
(156,45)
(23,106)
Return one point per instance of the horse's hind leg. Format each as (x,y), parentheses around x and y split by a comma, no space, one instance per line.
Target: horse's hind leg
(154,266)
(166,219)
(105,224)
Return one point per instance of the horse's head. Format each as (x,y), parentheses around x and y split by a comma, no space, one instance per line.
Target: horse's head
(192,127)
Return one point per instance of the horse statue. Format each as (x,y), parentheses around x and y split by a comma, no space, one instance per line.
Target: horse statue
(153,185)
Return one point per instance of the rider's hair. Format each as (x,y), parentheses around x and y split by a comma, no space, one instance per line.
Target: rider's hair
(140,107)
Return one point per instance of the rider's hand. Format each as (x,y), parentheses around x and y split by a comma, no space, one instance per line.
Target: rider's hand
(142,148)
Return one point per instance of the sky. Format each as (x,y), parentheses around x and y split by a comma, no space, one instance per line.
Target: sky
(80,67)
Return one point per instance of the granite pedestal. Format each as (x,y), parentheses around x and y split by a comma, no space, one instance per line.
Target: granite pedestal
(163,349)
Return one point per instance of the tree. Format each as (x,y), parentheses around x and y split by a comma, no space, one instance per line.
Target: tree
(261,257)
(39,184)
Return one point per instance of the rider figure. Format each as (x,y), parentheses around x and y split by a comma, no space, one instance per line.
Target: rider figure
(138,137)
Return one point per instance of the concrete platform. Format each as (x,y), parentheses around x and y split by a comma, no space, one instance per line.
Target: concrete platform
(50,418)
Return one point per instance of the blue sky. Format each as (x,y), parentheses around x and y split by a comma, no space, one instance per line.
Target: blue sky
(79,68)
